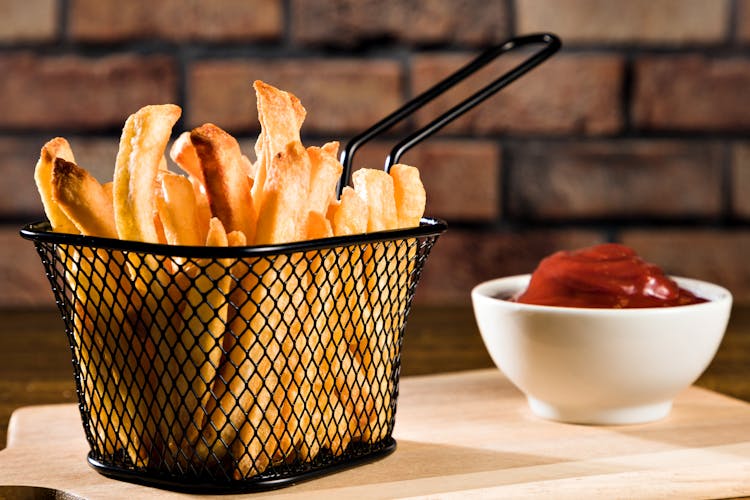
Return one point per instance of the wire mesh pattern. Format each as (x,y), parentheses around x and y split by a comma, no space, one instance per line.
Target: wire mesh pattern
(238,371)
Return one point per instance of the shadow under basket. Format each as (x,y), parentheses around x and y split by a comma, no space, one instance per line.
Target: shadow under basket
(235,369)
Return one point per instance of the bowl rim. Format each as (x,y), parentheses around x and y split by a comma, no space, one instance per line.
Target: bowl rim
(720,296)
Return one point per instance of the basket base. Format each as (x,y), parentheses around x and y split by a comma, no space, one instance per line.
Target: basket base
(199,486)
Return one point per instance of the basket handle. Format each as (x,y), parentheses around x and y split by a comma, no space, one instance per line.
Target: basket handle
(551,45)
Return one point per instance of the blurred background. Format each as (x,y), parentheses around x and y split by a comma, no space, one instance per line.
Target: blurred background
(638,131)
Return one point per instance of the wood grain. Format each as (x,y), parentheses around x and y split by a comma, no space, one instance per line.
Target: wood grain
(467,435)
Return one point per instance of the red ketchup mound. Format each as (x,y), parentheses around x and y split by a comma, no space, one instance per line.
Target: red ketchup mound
(603,276)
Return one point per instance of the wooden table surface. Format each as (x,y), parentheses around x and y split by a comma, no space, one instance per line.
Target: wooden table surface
(35,364)
(460,435)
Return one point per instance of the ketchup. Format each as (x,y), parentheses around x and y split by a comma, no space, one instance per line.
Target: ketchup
(603,276)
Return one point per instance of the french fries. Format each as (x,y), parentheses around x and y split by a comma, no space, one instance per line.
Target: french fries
(56,148)
(141,153)
(233,363)
(83,200)
(225,177)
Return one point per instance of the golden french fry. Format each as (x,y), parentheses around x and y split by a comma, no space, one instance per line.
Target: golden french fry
(325,172)
(349,214)
(353,386)
(409,194)
(204,317)
(249,168)
(142,143)
(223,408)
(56,148)
(108,188)
(97,283)
(202,206)
(281,115)
(388,268)
(272,305)
(83,200)
(183,153)
(375,187)
(283,215)
(178,210)
(103,296)
(96,391)
(227,184)
(332,148)
(318,226)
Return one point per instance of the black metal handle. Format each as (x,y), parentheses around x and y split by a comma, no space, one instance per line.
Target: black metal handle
(551,45)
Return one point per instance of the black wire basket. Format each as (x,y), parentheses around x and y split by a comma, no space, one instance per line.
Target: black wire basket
(212,369)
(239,367)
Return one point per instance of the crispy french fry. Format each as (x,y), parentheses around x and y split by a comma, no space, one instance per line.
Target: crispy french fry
(281,115)
(375,187)
(249,168)
(373,348)
(142,144)
(325,172)
(318,226)
(270,319)
(56,148)
(139,160)
(103,295)
(99,288)
(222,408)
(353,386)
(108,188)
(284,211)
(83,200)
(178,210)
(332,148)
(205,320)
(183,153)
(349,214)
(409,194)
(227,184)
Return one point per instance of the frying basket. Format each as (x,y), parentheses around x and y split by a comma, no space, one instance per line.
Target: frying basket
(230,369)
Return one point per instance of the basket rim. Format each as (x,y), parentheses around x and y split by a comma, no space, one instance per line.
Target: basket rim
(41,231)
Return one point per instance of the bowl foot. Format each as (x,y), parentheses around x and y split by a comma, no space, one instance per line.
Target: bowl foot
(600,416)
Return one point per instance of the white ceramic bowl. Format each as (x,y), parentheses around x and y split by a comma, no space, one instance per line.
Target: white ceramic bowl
(600,366)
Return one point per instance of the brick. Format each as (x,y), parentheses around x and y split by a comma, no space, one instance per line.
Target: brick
(70,92)
(178,20)
(21,272)
(691,93)
(615,179)
(668,22)
(461,177)
(28,21)
(743,20)
(462,259)
(741,180)
(711,254)
(18,194)
(568,94)
(340,95)
(349,22)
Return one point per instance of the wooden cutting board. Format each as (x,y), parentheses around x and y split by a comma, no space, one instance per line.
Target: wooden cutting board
(464,435)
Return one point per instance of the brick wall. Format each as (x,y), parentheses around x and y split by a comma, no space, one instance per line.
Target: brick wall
(638,131)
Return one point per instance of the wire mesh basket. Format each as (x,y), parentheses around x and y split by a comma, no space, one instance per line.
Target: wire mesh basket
(217,369)
(236,367)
